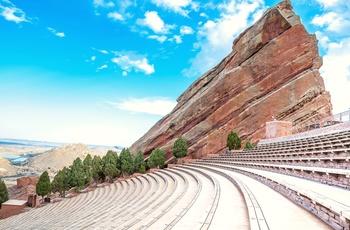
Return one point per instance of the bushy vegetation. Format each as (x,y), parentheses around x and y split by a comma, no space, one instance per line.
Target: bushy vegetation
(180,148)
(156,159)
(4,195)
(248,145)
(76,174)
(110,161)
(139,162)
(60,183)
(96,169)
(234,142)
(127,162)
(87,164)
(43,187)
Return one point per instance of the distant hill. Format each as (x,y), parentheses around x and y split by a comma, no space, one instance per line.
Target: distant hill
(6,169)
(57,158)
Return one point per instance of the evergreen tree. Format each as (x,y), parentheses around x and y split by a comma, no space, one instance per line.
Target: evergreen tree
(156,159)
(60,182)
(233,141)
(139,161)
(127,162)
(110,161)
(230,141)
(76,174)
(4,195)
(97,168)
(180,148)
(43,187)
(87,163)
(248,145)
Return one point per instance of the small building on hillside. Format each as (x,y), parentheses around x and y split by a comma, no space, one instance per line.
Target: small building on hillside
(12,207)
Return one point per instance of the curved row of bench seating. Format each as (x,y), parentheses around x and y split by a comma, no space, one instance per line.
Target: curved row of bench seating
(333,208)
(324,158)
(163,197)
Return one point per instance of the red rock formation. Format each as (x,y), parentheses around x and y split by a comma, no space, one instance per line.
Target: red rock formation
(271,71)
(29,180)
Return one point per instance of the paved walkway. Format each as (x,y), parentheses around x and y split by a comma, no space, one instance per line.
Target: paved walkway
(279,212)
(231,212)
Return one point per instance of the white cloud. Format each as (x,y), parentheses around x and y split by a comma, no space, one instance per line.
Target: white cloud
(336,73)
(102,67)
(327,3)
(204,15)
(102,3)
(161,38)
(186,30)
(11,13)
(115,16)
(58,34)
(323,40)
(178,39)
(154,106)
(103,51)
(130,60)
(125,73)
(178,6)
(325,19)
(335,17)
(93,58)
(155,23)
(215,36)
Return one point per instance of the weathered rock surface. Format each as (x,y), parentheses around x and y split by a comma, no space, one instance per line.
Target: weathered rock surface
(273,70)
(28,180)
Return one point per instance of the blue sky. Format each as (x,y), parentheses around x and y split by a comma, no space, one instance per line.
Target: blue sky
(104,71)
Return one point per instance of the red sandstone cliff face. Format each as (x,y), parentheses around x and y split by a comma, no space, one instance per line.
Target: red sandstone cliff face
(271,71)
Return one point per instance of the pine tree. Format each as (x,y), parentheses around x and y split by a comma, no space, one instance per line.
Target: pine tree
(87,163)
(4,195)
(97,168)
(76,174)
(110,161)
(43,187)
(60,182)
(180,148)
(139,162)
(233,141)
(156,159)
(127,162)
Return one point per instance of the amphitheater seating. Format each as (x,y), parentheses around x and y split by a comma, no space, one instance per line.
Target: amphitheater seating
(207,194)
(324,158)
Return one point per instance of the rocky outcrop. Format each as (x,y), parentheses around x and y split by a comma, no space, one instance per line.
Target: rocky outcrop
(28,180)
(272,71)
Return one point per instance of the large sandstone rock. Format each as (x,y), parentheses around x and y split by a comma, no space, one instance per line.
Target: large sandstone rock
(28,180)
(273,70)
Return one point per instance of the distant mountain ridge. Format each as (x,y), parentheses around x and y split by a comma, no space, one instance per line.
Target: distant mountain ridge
(60,157)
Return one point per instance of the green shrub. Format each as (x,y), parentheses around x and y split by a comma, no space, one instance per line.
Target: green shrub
(180,148)
(248,145)
(142,169)
(233,141)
